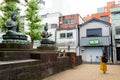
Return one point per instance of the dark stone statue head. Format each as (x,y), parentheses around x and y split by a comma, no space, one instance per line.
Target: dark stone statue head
(14,15)
(46,27)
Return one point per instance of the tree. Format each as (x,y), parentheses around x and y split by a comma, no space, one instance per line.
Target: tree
(33,20)
(7,7)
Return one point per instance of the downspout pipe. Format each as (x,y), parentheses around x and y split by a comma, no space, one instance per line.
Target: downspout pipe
(78,29)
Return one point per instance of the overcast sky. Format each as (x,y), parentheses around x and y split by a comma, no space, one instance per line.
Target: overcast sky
(83,7)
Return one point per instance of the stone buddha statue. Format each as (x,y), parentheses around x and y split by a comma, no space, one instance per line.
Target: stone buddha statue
(12,28)
(45,35)
(12,24)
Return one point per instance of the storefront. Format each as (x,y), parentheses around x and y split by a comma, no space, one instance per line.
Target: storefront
(94,39)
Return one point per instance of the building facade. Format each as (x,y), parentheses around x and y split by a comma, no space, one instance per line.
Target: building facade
(115,21)
(103,13)
(94,37)
(66,33)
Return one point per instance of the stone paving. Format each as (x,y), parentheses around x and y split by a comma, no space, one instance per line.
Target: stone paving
(88,72)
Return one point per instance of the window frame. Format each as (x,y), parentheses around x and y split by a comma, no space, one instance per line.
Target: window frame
(94,32)
(53,26)
(61,35)
(65,22)
(116,30)
(71,21)
(68,35)
(104,18)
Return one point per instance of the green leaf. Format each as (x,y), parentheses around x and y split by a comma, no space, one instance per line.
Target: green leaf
(7,8)
(33,20)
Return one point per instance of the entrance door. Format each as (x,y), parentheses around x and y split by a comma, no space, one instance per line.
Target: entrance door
(118,53)
(95,52)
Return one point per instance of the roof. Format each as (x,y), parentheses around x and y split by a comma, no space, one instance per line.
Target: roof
(95,20)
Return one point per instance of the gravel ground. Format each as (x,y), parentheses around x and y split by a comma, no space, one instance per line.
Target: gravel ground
(88,72)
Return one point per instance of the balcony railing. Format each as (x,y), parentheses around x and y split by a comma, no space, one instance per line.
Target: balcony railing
(95,41)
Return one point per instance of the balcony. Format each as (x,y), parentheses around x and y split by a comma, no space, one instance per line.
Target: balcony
(95,41)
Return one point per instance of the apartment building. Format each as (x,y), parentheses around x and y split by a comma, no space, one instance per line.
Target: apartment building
(115,21)
(67,32)
(103,13)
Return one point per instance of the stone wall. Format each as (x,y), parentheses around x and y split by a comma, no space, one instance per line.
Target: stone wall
(14,55)
(35,70)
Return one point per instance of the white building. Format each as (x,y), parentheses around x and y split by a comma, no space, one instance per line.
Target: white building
(115,21)
(94,38)
(66,39)
(66,33)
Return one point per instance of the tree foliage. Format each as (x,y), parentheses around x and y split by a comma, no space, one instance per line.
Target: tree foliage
(7,7)
(33,20)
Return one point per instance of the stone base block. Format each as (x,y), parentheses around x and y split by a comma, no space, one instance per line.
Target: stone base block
(44,56)
(14,55)
(13,46)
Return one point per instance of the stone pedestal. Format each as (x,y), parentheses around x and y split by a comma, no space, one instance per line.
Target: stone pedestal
(14,51)
(45,53)
(15,39)
(13,46)
(44,56)
(14,55)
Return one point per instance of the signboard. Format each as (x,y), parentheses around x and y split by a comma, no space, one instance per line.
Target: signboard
(94,42)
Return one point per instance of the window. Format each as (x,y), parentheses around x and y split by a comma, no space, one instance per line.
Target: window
(71,21)
(118,30)
(69,35)
(117,14)
(104,18)
(62,35)
(43,16)
(65,22)
(53,25)
(117,40)
(97,32)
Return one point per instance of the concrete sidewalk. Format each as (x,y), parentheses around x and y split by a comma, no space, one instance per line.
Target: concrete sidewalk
(88,72)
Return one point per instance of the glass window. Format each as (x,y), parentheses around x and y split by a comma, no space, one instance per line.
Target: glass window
(53,25)
(69,35)
(104,18)
(117,14)
(71,21)
(117,40)
(43,16)
(62,35)
(97,32)
(118,30)
(65,22)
